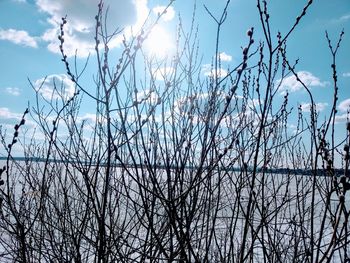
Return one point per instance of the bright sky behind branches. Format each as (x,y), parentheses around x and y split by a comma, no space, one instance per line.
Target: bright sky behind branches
(29,45)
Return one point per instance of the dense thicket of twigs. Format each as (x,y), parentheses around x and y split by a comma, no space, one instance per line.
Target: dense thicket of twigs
(179,170)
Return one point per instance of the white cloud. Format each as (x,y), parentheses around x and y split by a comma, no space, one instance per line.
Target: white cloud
(344,106)
(342,118)
(210,72)
(87,117)
(225,57)
(55,87)
(292,85)
(168,14)
(341,19)
(306,107)
(346,74)
(344,17)
(5,113)
(13,91)
(19,37)
(79,31)
(147,95)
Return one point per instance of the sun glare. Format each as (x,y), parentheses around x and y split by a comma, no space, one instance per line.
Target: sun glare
(159,43)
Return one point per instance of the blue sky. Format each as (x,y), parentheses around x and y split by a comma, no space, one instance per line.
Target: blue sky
(29,28)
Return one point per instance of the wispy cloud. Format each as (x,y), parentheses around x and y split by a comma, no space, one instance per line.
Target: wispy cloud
(340,19)
(13,91)
(168,14)
(346,74)
(344,17)
(55,86)
(19,37)
(291,84)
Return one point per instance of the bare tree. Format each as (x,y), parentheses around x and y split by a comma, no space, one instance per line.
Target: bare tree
(186,169)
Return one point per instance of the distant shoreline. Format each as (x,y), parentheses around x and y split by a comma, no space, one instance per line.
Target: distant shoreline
(320,172)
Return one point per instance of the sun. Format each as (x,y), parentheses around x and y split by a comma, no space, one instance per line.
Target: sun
(159,44)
